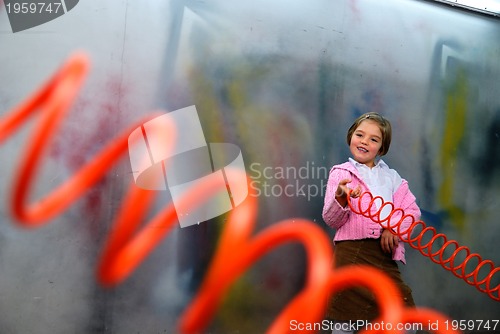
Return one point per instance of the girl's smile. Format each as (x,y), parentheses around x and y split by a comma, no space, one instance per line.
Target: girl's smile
(366,142)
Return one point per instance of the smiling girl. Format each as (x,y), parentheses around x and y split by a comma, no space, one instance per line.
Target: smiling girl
(358,240)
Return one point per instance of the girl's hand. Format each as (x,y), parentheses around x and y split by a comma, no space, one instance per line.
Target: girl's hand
(343,190)
(388,241)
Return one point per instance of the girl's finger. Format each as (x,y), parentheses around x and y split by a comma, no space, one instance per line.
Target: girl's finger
(344,182)
(384,245)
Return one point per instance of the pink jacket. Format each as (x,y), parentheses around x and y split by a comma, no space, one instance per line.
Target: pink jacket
(352,226)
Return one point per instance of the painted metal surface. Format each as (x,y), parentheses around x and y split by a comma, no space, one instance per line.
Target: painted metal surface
(283,81)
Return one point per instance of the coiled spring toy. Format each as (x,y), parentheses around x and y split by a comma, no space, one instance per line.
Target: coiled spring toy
(129,243)
(448,255)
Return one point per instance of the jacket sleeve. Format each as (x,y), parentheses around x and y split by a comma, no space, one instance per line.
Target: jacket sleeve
(334,214)
(404,199)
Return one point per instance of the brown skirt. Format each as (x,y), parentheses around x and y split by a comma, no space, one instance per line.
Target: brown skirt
(359,303)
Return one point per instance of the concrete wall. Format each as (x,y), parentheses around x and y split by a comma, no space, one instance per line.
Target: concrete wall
(283,80)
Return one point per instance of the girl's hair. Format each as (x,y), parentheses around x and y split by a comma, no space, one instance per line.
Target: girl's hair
(383,124)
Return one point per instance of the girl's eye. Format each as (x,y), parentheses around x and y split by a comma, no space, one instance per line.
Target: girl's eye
(375,140)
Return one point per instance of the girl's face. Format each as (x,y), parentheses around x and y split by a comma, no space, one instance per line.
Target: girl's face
(366,142)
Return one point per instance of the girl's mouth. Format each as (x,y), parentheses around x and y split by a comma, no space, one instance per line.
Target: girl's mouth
(362,149)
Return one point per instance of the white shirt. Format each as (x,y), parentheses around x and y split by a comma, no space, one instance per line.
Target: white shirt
(381,181)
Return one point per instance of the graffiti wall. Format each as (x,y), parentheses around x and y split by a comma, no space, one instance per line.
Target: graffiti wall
(283,81)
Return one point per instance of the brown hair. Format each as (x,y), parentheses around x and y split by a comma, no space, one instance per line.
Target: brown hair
(383,124)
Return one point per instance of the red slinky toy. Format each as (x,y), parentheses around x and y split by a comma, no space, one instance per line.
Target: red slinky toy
(128,244)
(372,207)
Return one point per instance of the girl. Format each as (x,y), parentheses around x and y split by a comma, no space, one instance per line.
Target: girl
(359,240)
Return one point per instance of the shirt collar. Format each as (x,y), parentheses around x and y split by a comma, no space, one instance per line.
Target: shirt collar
(378,164)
